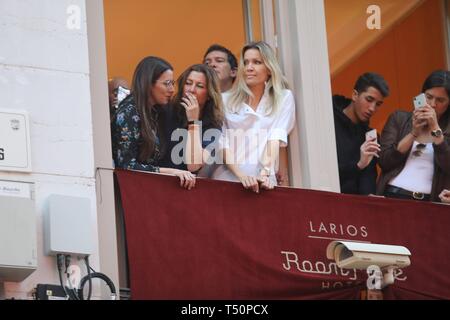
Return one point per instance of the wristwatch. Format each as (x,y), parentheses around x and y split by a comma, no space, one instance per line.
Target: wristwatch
(436,133)
(266,171)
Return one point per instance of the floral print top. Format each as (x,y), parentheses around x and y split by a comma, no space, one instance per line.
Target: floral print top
(126,139)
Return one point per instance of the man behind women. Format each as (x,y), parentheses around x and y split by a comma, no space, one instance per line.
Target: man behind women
(259,115)
(356,156)
(412,168)
(224,64)
(136,132)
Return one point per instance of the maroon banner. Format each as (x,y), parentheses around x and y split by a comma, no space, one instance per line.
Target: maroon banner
(219,241)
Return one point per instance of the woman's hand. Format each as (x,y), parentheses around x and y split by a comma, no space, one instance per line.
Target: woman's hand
(282,179)
(266,183)
(250,182)
(425,117)
(417,125)
(187,179)
(191,106)
(445,196)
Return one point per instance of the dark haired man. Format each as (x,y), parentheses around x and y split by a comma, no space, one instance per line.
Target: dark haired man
(356,155)
(224,63)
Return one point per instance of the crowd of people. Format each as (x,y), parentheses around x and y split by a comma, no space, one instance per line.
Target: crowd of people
(230,120)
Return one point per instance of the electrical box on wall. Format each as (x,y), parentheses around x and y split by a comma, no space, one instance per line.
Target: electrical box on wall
(68,227)
(15,153)
(18,248)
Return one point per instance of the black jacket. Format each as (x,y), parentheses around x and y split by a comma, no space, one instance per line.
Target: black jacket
(349,138)
(172,122)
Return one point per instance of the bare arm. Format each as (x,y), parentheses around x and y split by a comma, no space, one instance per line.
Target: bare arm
(268,161)
(194,156)
(283,170)
(278,139)
(194,150)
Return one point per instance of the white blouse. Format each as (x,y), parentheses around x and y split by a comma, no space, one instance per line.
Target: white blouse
(417,175)
(247,132)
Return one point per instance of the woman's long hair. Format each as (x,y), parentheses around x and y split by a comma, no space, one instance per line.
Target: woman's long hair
(440,78)
(212,114)
(147,72)
(241,93)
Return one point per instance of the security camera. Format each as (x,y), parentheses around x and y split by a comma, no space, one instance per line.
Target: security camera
(359,255)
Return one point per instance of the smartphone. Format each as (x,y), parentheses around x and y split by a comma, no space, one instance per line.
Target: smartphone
(371,134)
(420,101)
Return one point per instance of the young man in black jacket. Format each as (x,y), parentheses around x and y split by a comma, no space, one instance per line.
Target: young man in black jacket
(356,155)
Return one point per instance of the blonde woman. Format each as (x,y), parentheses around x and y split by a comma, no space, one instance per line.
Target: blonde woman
(259,115)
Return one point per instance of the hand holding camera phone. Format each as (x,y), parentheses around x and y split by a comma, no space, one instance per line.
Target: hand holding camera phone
(372,134)
(420,101)
(369,149)
(420,125)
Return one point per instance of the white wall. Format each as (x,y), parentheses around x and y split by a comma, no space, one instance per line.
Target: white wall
(44,69)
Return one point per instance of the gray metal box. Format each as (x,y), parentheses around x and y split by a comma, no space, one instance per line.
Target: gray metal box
(68,226)
(18,257)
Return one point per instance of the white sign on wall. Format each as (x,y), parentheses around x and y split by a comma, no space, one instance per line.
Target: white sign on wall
(15,153)
(15,189)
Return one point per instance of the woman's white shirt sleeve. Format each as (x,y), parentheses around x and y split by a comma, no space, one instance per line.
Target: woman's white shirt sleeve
(285,120)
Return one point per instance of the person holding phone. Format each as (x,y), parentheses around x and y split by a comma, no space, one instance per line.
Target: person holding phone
(136,131)
(356,143)
(413,168)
